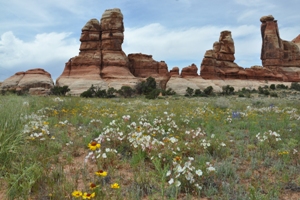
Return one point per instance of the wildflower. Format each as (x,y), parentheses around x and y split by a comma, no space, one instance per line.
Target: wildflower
(88,195)
(177,183)
(171,181)
(93,186)
(177,159)
(223,144)
(283,153)
(115,186)
(101,173)
(168,173)
(295,151)
(94,145)
(199,172)
(77,193)
(210,169)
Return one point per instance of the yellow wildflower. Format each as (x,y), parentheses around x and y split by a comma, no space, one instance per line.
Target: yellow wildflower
(88,195)
(101,173)
(94,145)
(93,186)
(115,186)
(177,158)
(77,193)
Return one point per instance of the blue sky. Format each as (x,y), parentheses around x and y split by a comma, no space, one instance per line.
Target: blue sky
(45,34)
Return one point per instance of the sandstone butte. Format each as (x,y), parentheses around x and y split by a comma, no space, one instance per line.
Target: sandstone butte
(102,62)
(37,81)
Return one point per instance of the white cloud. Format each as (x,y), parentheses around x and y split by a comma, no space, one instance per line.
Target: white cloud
(44,48)
(189,44)
(48,50)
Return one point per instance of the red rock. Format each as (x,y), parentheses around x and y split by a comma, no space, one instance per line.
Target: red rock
(279,55)
(174,72)
(280,58)
(115,63)
(190,71)
(101,56)
(23,81)
(142,65)
(218,62)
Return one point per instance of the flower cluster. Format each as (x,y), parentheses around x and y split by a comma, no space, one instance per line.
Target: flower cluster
(93,186)
(268,136)
(185,172)
(37,127)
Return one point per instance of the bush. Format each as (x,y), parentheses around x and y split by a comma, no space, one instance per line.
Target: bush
(272,87)
(100,93)
(87,94)
(189,92)
(273,94)
(97,92)
(208,90)
(153,94)
(295,86)
(111,92)
(169,91)
(60,91)
(198,93)
(126,91)
(227,90)
(145,87)
(281,86)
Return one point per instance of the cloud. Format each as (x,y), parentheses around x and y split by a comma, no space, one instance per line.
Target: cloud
(46,49)
(189,44)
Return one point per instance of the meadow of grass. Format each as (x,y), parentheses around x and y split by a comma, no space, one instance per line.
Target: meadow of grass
(172,148)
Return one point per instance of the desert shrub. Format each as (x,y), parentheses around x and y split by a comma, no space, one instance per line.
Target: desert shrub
(111,92)
(198,93)
(241,95)
(60,91)
(189,92)
(168,92)
(145,87)
(126,91)
(87,94)
(295,86)
(153,94)
(208,90)
(100,93)
(266,92)
(281,86)
(227,90)
(272,87)
(273,94)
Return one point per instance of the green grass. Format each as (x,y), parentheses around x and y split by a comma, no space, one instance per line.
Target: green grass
(172,148)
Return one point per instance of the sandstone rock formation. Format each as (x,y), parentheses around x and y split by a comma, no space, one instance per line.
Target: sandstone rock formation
(115,63)
(33,78)
(103,63)
(280,58)
(142,65)
(279,55)
(174,72)
(218,62)
(190,71)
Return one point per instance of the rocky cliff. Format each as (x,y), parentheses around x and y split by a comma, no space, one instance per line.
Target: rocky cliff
(103,63)
(37,81)
(280,58)
(279,55)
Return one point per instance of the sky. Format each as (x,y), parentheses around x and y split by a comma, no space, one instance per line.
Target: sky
(45,34)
